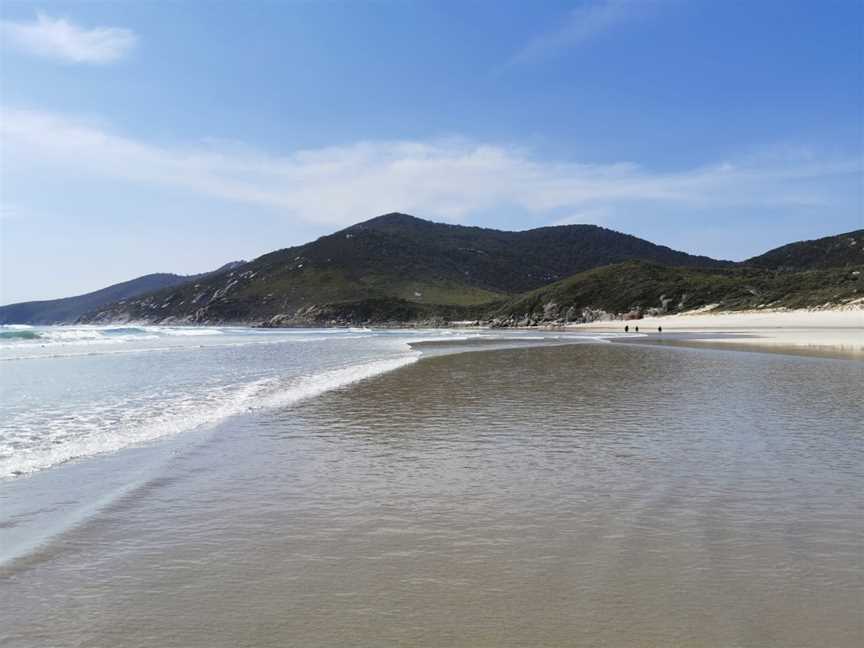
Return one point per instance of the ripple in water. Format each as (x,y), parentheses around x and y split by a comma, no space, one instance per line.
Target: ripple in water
(596,494)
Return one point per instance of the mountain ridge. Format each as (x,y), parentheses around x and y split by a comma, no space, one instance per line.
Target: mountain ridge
(846,249)
(396,257)
(398,269)
(69,309)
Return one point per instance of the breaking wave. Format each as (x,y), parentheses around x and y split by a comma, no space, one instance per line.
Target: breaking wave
(102,430)
(16,335)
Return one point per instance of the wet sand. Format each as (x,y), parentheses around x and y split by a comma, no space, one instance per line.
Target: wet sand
(827,333)
(585,495)
(753,343)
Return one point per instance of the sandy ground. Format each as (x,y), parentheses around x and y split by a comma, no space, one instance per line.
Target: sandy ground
(823,332)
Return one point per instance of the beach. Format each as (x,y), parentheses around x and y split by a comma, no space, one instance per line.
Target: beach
(836,333)
(470,489)
(431,325)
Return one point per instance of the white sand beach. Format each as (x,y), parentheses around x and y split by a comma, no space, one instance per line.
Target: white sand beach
(838,331)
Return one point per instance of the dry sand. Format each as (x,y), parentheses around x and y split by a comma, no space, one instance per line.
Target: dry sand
(822,332)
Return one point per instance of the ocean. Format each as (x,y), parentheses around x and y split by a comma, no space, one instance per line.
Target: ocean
(222,486)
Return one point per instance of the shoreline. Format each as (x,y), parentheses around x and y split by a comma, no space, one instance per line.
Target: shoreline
(837,332)
(828,333)
(495,472)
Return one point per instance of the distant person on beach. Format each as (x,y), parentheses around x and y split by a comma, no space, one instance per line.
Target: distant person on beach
(627,328)
(659,329)
(637,329)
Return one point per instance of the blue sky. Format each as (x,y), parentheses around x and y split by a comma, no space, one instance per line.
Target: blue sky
(176,136)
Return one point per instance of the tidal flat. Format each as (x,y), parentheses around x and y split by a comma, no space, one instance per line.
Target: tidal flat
(544,494)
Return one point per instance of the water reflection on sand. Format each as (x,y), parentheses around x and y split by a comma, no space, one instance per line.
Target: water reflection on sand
(583,495)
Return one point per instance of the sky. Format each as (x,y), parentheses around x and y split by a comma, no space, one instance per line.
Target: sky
(159,136)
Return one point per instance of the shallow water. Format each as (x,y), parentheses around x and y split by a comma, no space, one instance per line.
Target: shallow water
(132,396)
(595,494)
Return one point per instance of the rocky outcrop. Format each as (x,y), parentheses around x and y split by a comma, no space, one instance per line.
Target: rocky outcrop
(552,315)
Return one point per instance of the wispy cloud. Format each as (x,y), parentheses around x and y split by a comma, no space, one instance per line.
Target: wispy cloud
(596,216)
(443,179)
(61,40)
(590,19)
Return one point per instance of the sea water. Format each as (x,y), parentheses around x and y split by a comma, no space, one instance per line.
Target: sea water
(225,486)
(84,393)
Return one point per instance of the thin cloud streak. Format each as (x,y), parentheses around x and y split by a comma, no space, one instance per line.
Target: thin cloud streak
(61,40)
(590,20)
(443,179)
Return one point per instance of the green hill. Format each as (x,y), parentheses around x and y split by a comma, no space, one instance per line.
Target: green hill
(398,269)
(69,309)
(393,266)
(637,288)
(828,252)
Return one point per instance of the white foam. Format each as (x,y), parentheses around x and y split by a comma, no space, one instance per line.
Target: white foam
(190,332)
(105,435)
(77,336)
(89,350)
